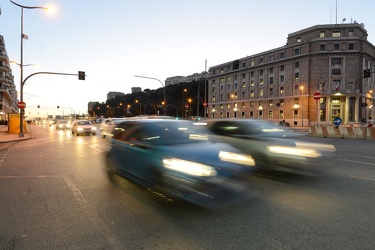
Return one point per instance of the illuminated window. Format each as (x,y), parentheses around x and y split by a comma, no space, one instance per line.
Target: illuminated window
(336,34)
(321,34)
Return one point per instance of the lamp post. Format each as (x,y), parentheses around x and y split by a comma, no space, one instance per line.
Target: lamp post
(140,107)
(302,105)
(183,102)
(165,100)
(198,94)
(23,36)
(189,105)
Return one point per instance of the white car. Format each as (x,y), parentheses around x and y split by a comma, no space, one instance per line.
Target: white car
(83,127)
(108,125)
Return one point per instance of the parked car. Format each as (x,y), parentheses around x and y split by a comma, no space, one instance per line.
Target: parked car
(63,124)
(273,147)
(177,158)
(83,127)
(107,127)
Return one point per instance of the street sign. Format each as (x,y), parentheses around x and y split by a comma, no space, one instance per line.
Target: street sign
(317,95)
(337,121)
(21,105)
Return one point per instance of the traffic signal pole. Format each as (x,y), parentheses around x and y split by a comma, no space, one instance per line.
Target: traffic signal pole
(81,76)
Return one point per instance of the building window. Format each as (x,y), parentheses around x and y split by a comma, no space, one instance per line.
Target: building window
(243,65)
(296,65)
(243,94)
(271,70)
(270,103)
(260,114)
(336,72)
(251,104)
(221,88)
(252,63)
(261,60)
(322,47)
(251,114)
(351,32)
(271,92)
(221,80)
(270,114)
(243,84)
(282,78)
(243,104)
(281,90)
(228,86)
(243,75)
(271,79)
(281,114)
(321,34)
(296,52)
(336,34)
(271,58)
(281,67)
(282,55)
(336,61)
(213,98)
(351,46)
(336,46)
(261,72)
(261,93)
(252,93)
(298,40)
(296,114)
(252,83)
(261,81)
(252,74)
(296,75)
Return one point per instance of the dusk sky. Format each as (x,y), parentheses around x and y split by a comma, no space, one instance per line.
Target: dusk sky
(114,40)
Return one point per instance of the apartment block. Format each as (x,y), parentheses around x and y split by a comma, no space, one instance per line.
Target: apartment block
(8,92)
(280,84)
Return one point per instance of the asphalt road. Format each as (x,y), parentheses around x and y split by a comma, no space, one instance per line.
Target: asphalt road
(55,194)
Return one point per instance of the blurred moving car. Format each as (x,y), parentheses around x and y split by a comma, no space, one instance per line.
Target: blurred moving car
(176,158)
(107,127)
(83,127)
(273,147)
(63,124)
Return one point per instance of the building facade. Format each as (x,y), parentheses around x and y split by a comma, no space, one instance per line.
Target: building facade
(8,92)
(317,76)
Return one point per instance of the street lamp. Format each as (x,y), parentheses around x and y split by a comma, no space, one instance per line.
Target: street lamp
(302,105)
(190,105)
(140,107)
(183,101)
(23,36)
(165,100)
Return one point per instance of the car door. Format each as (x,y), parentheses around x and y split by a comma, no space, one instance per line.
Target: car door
(133,154)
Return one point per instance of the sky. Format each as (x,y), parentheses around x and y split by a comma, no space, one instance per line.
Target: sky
(114,40)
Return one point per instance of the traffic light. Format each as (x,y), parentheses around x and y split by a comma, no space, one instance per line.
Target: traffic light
(366,73)
(38,106)
(81,75)
(58,107)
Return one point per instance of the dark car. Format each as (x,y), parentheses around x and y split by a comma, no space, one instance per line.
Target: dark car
(273,147)
(178,159)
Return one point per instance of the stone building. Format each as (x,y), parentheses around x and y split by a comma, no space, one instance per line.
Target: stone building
(279,84)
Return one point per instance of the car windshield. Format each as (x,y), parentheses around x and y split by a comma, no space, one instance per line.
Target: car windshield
(164,133)
(84,123)
(265,129)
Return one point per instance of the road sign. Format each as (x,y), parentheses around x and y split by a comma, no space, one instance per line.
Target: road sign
(317,95)
(337,121)
(186,106)
(21,105)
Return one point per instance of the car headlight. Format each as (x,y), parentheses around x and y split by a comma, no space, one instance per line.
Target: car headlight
(294,151)
(236,158)
(79,129)
(189,167)
(93,128)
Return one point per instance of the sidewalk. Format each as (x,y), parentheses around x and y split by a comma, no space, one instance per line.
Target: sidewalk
(7,137)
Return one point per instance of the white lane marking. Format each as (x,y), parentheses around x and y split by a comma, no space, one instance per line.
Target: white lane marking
(362,162)
(364,178)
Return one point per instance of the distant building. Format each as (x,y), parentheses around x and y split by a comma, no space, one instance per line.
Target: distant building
(113,94)
(8,91)
(280,84)
(136,89)
(175,80)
